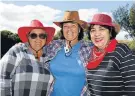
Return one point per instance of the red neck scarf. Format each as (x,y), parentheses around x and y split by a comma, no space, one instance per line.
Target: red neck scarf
(97,57)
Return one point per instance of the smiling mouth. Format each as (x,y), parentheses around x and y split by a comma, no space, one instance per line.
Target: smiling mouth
(98,40)
(38,44)
(70,33)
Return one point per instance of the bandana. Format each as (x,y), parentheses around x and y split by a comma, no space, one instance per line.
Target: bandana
(97,57)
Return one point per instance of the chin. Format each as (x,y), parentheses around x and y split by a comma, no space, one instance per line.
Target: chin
(37,49)
(99,45)
(69,39)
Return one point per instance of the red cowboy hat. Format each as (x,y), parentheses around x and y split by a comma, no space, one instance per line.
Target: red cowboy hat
(35,24)
(103,19)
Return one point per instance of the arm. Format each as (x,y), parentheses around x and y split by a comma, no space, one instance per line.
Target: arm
(127,69)
(52,49)
(7,64)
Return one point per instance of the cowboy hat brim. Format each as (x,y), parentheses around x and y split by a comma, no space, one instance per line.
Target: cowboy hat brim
(80,22)
(102,23)
(116,26)
(23,32)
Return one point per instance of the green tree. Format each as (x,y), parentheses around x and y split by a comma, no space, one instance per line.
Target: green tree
(8,39)
(125,17)
(57,36)
(10,35)
(132,18)
(6,33)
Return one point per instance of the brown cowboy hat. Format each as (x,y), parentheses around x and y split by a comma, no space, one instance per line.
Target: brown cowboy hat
(72,16)
(35,24)
(104,19)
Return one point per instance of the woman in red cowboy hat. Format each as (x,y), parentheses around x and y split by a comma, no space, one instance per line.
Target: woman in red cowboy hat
(23,71)
(69,57)
(111,68)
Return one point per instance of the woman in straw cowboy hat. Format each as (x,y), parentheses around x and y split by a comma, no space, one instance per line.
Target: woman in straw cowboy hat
(69,57)
(111,69)
(23,71)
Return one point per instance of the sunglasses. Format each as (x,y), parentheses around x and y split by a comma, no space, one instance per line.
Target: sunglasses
(34,36)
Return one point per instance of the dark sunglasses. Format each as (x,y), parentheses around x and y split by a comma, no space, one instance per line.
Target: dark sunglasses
(34,36)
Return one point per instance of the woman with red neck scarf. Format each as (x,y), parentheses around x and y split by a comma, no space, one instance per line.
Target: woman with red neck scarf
(111,68)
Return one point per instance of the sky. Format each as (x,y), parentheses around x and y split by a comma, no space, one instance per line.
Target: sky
(16,13)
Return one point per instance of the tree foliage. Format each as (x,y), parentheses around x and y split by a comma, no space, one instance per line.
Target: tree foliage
(57,36)
(8,39)
(125,16)
(132,18)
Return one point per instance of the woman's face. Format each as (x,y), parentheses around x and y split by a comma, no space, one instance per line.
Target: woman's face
(37,38)
(70,31)
(100,36)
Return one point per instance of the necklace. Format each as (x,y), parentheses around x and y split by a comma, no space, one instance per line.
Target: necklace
(68,51)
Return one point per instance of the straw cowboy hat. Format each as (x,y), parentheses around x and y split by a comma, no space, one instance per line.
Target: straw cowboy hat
(103,19)
(35,24)
(71,16)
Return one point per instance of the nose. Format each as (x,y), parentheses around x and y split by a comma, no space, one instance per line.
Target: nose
(38,39)
(37,42)
(69,28)
(97,33)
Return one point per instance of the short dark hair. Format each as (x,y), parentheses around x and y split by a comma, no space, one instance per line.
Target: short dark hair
(80,36)
(110,28)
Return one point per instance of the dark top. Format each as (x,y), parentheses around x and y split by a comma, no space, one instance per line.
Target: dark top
(115,76)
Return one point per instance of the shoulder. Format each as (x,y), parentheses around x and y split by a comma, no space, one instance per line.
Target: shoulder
(56,42)
(86,47)
(54,46)
(86,43)
(17,48)
(14,48)
(12,52)
(122,48)
(134,54)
